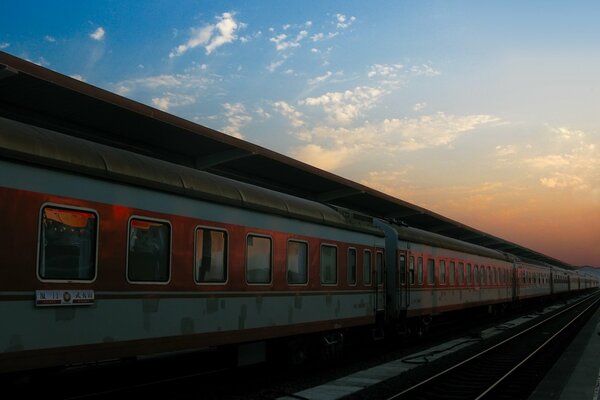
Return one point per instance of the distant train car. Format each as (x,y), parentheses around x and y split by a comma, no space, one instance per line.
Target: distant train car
(111,254)
(533,280)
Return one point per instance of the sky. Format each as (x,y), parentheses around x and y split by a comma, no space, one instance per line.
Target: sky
(486,112)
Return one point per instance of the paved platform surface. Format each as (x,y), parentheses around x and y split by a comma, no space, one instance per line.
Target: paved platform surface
(576,374)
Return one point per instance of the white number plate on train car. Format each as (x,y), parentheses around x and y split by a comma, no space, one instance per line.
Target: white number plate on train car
(64,297)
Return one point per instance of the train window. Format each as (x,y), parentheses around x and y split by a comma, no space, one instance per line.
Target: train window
(490,277)
(475,275)
(402,268)
(411,270)
(258,259)
(461,273)
(211,256)
(420,270)
(442,271)
(468,274)
(379,267)
(352,266)
(367,262)
(452,272)
(67,244)
(328,264)
(482,274)
(431,271)
(149,250)
(297,262)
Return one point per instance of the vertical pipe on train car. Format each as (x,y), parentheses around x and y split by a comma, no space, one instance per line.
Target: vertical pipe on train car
(392,289)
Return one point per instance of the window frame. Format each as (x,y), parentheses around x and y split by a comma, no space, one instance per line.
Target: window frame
(39,241)
(371,262)
(271,267)
(286,261)
(219,229)
(149,219)
(442,272)
(431,267)
(380,272)
(355,266)
(337,264)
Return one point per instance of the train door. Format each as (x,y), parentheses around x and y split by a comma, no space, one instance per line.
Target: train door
(380,279)
(515,283)
(404,274)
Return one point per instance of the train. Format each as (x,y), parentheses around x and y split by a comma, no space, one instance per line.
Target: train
(109,254)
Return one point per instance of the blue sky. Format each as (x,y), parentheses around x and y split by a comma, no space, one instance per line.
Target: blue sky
(483,111)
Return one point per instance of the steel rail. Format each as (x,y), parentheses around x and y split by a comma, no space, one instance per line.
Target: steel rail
(478,355)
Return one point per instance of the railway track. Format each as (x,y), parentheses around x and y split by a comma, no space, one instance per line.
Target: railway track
(510,369)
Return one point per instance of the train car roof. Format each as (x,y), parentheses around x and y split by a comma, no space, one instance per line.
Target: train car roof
(415,235)
(37,95)
(45,147)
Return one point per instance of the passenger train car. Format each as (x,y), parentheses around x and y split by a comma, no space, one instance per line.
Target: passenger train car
(111,254)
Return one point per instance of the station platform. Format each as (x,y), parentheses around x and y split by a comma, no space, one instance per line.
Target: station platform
(576,374)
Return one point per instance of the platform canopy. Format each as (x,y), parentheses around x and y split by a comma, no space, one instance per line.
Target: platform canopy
(39,96)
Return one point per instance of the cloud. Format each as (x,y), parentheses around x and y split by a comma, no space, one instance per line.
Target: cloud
(237,117)
(503,151)
(385,70)
(78,77)
(317,37)
(190,81)
(4,45)
(419,106)
(284,42)
(320,79)
(170,100)
(289,112)
(386,138)
(276,64)
(424,70)
(98,34)
(344,22)
(576,166)
(211,36)
(49,39)
(327,159)
(560,180)
(343,107)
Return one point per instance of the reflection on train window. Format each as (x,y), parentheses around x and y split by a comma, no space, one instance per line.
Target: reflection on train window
(67,244)
(258,259)
(411,270)
(461,273)
(367,262)
(352,266)
(379,267)
(211,256)
(149,251)
(430,271)
(297,262)
(328,264)
(452,272)
(442,271)
(420,270)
